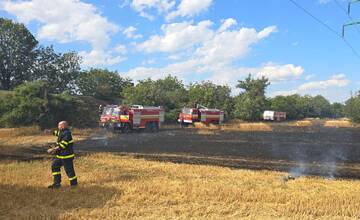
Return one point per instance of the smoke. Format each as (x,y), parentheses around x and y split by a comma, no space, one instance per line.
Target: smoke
(101,137)
(322,158)
(299,170)
(332,158)
(301,165)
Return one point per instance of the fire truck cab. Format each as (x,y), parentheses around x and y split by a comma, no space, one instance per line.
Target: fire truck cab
(123,118)
(201,114)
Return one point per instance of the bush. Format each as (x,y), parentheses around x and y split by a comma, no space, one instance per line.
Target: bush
(352,108)
(24,106)
(32,105)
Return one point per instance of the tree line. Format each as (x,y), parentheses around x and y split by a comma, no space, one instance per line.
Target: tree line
(47,86)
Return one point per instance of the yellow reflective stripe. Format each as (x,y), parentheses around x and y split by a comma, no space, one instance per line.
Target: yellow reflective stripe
(56,133)
(61,145)
(64,143)
(72,178)
(55,173)
(124,117)
(65,157)
(67,142)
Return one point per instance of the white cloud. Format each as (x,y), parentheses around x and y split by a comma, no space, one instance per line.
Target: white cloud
(168,8)
(213,46)
(274,72)
(335,81)
(201,49)
(121,49)
(226,24)
(178,36)
(189,8)
(67,21)
(130,32)
(318,87)
(228,46)
(100,57)
(143,7)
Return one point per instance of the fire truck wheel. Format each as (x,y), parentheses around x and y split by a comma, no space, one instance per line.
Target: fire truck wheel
(183,124)
(148,127)
(155,127)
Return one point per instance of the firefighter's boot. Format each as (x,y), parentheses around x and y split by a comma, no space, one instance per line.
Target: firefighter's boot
(54,186)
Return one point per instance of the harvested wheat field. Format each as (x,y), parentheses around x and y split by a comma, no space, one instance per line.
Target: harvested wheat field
(260,126)
(115,187)
(187,173)
(235,126)
(338,123)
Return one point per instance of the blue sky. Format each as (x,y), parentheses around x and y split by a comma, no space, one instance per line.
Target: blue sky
(199,40)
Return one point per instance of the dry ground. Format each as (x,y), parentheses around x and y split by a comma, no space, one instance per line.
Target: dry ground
(115,187)
(129,187)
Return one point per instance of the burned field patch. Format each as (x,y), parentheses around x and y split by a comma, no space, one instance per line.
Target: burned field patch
(316,150)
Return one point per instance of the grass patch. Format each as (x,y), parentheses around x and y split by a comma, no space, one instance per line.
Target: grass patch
(339,123)
(114,187)
(201,125)
(256,126)
(236,126)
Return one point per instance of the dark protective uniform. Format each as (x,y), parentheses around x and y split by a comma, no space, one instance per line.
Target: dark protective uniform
(64,157)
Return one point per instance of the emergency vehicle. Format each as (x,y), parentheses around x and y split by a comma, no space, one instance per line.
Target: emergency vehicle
(201,114)
(274,116)
(123,118)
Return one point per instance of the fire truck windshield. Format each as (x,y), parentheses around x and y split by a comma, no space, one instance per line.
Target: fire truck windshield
(107,111)
(116,111)
(187,111)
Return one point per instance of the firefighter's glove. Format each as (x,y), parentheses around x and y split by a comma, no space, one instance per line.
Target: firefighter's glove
(52,150)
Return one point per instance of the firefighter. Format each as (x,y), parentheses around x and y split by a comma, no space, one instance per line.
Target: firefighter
(63,156)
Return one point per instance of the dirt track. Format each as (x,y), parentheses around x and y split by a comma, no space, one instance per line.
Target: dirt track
(330,152)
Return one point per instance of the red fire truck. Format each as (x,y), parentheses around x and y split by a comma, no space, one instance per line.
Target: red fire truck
(123,118)
(201,114)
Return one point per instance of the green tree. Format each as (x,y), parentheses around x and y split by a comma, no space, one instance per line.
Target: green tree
(25,106)
(299,107)
(352,108)
(32,104)
(337,110)
(288,104)
(168,92)
(211,95)
(59,70)
(17,54)
(251,102)
(321,107)
(102,84)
